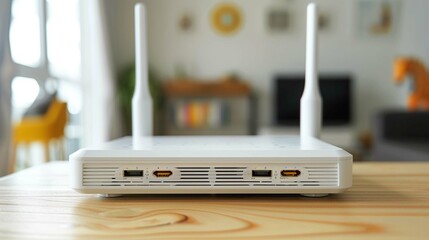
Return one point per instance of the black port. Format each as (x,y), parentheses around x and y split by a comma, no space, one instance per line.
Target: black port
(133,173)
(291,173)
(261,173)
(163,173)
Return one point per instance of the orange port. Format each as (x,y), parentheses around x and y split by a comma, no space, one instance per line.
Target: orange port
(291,173)
(163,173)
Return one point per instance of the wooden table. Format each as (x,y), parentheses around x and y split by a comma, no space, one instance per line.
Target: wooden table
(387,201)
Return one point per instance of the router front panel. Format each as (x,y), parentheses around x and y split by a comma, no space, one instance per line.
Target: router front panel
(149,176)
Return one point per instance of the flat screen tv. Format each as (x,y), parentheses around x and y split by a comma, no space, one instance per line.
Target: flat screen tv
(336,91)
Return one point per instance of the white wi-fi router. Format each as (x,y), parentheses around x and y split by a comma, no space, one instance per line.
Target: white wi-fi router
(225,165)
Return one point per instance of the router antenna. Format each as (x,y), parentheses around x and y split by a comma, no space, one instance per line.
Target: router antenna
(142,119)
(311,101)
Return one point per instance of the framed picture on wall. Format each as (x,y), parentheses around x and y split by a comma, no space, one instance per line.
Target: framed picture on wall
(378,18)
(324,21)
(186,22)
(278,20)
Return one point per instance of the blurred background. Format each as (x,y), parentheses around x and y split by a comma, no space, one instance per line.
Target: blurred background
(217,67)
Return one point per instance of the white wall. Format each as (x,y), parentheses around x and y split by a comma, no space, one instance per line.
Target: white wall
(414,39)
(258,55)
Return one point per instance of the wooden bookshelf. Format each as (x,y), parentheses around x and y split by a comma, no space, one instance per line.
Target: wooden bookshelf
(202,107)
(200,88)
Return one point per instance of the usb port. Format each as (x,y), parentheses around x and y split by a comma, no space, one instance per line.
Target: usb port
(261,173)
(133,173)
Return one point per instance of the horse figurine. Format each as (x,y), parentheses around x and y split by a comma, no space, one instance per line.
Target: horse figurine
(419,99)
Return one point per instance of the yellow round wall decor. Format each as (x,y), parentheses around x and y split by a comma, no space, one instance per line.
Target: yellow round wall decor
(226,18)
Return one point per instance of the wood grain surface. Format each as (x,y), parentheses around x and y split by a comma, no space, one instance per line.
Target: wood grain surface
(387,201)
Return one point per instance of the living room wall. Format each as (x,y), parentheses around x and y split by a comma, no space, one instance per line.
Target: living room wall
(258,55)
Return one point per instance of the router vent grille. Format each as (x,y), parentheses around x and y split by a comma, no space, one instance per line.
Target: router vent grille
(101,176)
(216,176)
(322,175)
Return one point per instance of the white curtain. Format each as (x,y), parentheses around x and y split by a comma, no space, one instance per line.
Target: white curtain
(6,75)
(101,118)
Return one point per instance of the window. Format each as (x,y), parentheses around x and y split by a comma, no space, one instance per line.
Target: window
(25,32)
(25,91)
(63,38)
(45,45)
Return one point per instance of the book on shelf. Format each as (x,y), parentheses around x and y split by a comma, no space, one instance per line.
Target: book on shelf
(213,113)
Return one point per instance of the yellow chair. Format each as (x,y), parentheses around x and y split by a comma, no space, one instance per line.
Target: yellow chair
(42,129)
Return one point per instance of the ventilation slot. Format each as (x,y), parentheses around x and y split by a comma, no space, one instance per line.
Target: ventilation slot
(210,176)
(192,177)
(231,185)
(323,176)
(197,173)
(229,172)
(192,185)
(231,176)
(287,185)
(101,177)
